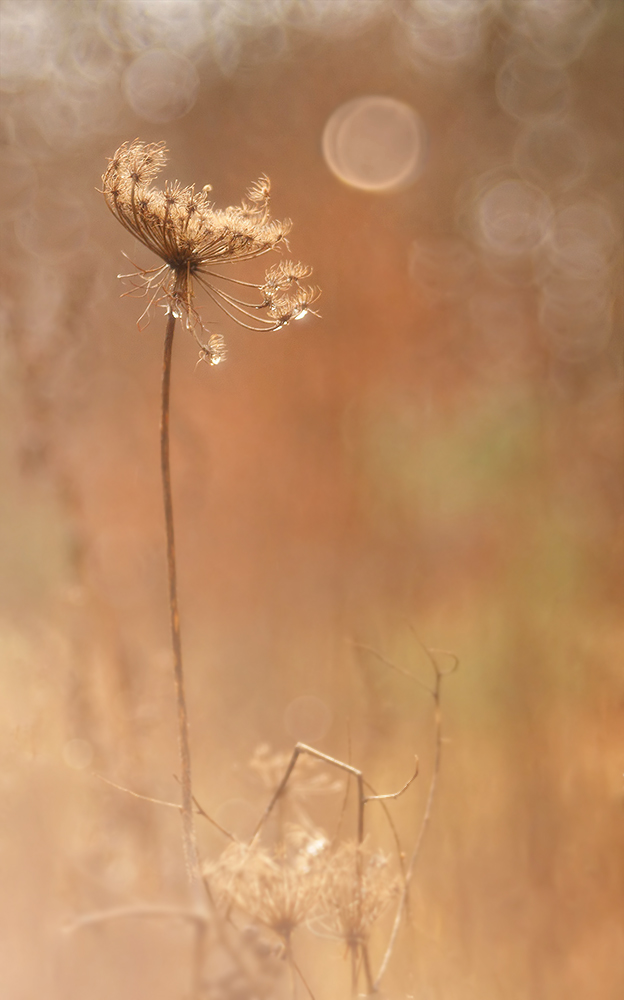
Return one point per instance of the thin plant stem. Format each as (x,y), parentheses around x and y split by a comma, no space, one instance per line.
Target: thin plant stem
(188,824)
(199,949)
(200,811)
(351,771)
(301,976)
(303,748)
(370,986)
(435,692)
(403,901)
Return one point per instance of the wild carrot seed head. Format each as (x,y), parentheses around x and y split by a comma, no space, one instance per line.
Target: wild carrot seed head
(357,888)
(192,237)
(278,888)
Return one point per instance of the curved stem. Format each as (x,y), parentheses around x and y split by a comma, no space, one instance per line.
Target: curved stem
(423,828)
(188,825)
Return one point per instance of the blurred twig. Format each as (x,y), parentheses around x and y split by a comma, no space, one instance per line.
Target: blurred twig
(435,692)
(200,811)
(146,910)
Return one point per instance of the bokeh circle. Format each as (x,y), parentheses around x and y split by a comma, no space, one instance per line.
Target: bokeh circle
(374,143)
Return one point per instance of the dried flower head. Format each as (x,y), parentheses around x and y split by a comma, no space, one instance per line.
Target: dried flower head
(357,887)
(278,888)
(192,237)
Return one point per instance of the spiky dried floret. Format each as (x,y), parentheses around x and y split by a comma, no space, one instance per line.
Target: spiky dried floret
(182,227)
(214,352)
(282,275)
(136,161)
(294,306)
(260,191)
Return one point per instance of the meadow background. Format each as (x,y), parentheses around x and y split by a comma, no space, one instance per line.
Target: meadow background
(438,458)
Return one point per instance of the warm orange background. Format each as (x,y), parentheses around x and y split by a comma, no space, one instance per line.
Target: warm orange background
(393,465)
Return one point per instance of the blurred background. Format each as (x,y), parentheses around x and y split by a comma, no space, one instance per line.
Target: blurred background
(437,459)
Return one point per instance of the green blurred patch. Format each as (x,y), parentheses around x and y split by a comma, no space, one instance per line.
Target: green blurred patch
(450,469)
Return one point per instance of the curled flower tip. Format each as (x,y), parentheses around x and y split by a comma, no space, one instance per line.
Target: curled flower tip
(281,276)
(138,161)
(214,352)
(292,306)
(261,190)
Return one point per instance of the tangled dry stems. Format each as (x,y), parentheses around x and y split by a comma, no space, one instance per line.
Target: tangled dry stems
(338,890)
(338,894)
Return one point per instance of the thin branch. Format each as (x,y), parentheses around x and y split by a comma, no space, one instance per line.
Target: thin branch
(345,798)
(278,791)
(395,795)
(391,824)
(124,912)
(392,666)
(202,812)
(370,986)
(199,954)
(303,748)
(301,976)
(199,809)
(351,771)
(138,795)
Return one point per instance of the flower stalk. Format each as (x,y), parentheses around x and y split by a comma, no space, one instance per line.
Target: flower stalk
(188,825)
(193,239)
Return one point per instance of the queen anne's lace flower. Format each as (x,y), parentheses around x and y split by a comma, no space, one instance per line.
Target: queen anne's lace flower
(182,227)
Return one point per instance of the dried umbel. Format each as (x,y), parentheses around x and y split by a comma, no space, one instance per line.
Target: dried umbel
(192,237)
(278,888)
(357,888)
